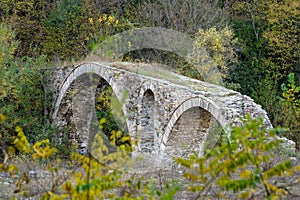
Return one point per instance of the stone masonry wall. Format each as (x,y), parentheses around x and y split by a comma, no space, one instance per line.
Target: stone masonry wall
(170,110)
(189,133)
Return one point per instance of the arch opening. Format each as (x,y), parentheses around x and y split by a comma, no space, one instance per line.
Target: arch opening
(111,121)
(147,122)
(80,90)
(190,133)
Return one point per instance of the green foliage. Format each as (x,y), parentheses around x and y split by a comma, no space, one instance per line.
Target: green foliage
(283,108)
(282,33)
(102,176)
(8,46)
(24,102)
(219,45)
(107,119)
(290,103)
(60,29)
(26,17)
(291,93)
(23,97)
(237,164)
(279,25)
(268,34)
(67,30)
(250,66)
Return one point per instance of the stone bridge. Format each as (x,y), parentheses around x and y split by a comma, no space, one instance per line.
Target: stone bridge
(165,112)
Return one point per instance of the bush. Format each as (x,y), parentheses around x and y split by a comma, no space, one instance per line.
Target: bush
(24,99)
(243,163)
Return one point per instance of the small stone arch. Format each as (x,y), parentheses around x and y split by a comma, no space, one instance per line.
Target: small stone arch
(205,106)
(146,122)
(147,86)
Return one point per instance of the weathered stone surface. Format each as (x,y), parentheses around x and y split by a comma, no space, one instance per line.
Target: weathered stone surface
(162,110)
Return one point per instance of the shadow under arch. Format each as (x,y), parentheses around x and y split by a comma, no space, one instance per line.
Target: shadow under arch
(146,122)
(198,105)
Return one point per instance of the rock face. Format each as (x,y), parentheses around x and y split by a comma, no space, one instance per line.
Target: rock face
(164,112)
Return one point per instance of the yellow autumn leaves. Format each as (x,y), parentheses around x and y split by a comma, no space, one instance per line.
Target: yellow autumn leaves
(8,45)
(214,48)
(104,19)
(2,118)
(40,149)
(220,46)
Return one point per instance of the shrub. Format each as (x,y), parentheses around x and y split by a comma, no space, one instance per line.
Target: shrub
(243,164)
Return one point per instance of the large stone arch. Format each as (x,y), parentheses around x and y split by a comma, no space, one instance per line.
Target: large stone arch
(83,105)
(203,103)
(80,70)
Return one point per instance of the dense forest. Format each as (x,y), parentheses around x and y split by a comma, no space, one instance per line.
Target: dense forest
(254,43)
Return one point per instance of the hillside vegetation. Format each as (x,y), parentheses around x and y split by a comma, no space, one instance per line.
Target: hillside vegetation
(254,44)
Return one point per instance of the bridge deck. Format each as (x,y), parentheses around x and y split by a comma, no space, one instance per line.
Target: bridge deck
(158,71)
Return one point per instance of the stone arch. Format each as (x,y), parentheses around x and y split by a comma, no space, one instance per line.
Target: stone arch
(87,123)
(189,132)
(147,86)
(147,131)
(86,68)
(205,105)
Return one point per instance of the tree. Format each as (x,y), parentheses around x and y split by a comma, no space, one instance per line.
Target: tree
(219,46)
(23,98)
(26,18)
(278,23)
(268,33)
(184,16)
(290,102)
